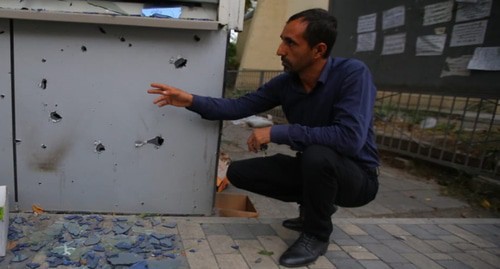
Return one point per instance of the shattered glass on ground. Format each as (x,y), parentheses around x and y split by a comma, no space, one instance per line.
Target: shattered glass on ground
(93,242)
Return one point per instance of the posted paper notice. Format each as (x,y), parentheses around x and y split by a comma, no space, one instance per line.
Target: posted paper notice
(366,42)
(456,66)
(485,58)
(367,23)
(471,33)
(438,13)
(468,11)
(393,17)
(394,44)
(430,45)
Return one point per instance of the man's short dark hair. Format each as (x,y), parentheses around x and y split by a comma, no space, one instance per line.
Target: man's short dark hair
(321,27)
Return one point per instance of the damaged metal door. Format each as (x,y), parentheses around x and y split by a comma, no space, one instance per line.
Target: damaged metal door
(91,138)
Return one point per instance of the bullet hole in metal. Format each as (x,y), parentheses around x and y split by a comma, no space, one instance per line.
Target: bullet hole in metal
(39,183)
(142,203)
(55,117)
(157,141)
(43,84)
(197,38)
(1,32)
(100,148)
(43,60)
(179,63)
(18,141)
(2,96)
(84,49)
(122,39)
(62,49)
(102,30)
(43,146)
(129,45)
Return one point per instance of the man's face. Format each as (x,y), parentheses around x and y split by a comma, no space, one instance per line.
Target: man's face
(295,53)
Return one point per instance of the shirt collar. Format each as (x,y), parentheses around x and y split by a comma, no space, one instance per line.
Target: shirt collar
(326,70)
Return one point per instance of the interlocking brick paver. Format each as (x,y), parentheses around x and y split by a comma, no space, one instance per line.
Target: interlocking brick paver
(347,264)
(385,253)
(419,245)
(398,246)
(231,261)
(453,264)
(438,256)
(402,266)
(336,255)
(485,256)
(375,264)
(338,233)
(199,254)
(472,238)
(394,229)
(365,239)
(363,255)
(351,229)
(273,244)
(239,231)
(214,229)
(434,229)
(376,232)
(421,261)
(345,242)
(222,244)
(261,229)
(321,263)
(442,246)
(190,230)
(471,261)
(250,251)
(417,231)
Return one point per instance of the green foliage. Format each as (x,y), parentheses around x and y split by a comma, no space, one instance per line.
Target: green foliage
(232,61)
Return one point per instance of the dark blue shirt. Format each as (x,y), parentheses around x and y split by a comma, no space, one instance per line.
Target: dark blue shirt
(337,113)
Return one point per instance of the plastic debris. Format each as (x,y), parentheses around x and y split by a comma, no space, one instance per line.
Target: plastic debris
(255,121)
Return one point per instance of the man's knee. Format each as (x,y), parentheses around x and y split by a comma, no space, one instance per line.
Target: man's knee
(318,156)
(234,174)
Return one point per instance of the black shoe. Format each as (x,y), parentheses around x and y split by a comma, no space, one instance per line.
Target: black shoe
(304,251)
(297,224)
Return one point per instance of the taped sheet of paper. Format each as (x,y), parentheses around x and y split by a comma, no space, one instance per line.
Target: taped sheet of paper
(478,10)
(366,42)
(430,45)
(485,58)
(367,23)
(438,13)
(471,33)
(393,17)
(162,12)
(394,44)
(456,66)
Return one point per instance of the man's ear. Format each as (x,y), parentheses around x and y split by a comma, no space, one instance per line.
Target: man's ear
(320,50)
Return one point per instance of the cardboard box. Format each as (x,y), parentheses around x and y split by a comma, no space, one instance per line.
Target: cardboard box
(234,205)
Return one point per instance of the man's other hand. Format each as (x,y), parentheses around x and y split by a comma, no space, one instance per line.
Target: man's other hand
(259,138)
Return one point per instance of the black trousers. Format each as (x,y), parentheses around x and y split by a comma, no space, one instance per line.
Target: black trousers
(318,179)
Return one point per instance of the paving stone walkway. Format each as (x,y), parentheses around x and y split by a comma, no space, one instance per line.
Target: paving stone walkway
(103,241)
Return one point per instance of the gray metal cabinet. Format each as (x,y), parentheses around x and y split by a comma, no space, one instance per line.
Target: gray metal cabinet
(89,137)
